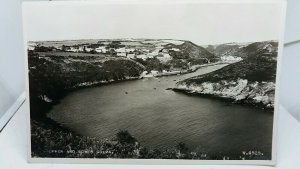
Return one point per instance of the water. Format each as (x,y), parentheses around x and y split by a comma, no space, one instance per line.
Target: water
(161,118)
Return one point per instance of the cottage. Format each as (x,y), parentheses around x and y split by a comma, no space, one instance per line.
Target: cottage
(165,50)
(80,48)
(142,56)
(268,48)
(228,58)
(150,55)
(121,50)
(175,49)
(154,72)
(101,49)
(72,49)
(87,49)
(31,47)
(130,56)
(128,50)
(121,54)
(164,57)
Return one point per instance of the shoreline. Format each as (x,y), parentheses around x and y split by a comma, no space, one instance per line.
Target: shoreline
(225,99)
(186,71)
(47,123)
(174,73)
(103,83)
(47,106)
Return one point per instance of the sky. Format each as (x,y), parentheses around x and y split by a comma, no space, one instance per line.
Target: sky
(201,23)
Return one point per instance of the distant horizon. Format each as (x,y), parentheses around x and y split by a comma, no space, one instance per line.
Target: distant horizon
(136,39)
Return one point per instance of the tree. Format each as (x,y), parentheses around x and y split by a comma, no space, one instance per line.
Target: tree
(124,137)
(182,147)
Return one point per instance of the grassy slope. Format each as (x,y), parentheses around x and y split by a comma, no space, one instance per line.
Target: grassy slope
(253,69)
(241,50)
(52,143)
(250,80)
(190,50)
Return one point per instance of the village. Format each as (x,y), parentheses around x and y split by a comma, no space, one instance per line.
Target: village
(114,48)
(134,50)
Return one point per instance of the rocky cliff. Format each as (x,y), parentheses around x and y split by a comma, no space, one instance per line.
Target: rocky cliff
(250,81)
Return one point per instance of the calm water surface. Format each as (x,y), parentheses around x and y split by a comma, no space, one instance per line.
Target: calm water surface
(161,118)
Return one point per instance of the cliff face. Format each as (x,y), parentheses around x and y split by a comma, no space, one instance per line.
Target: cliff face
(195,51)
(189,50)
(251,80)
(240,91)
(52,74)
(72,70)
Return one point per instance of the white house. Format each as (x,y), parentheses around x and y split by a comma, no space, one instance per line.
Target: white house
(151,55)
(129,50)
(80,49)
(164,57)
(31,47)
(101,49)
(121,54)
(121,50)
(268,47)
(72,49)
(175,49)
(154,72)
(229,58)
(146,50)
(87,48)
(130,56)
(165,50)
(142,56)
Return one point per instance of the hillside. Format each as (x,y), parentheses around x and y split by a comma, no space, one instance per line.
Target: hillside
(56,67)
(224,49)
(155,54)
(52,75)
(190,50)
(250,81)
(242,49)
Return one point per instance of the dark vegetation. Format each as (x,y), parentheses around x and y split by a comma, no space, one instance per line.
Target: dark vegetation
(259,65)
(257,47)
(253,69)
(189,54)
(43,49)
(236,50)
(189,50)
(153,64)
(115,44)
(52,76)
(57,143)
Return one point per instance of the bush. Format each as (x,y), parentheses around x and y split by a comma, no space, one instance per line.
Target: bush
(124,137)
(182,147)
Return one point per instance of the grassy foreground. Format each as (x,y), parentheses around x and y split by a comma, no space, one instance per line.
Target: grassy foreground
(49,141)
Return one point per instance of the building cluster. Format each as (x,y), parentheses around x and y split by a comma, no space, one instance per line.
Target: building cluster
(159,52)
(129,52)
(230,59)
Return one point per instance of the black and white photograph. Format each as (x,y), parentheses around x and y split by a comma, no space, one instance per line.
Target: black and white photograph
(168,80)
